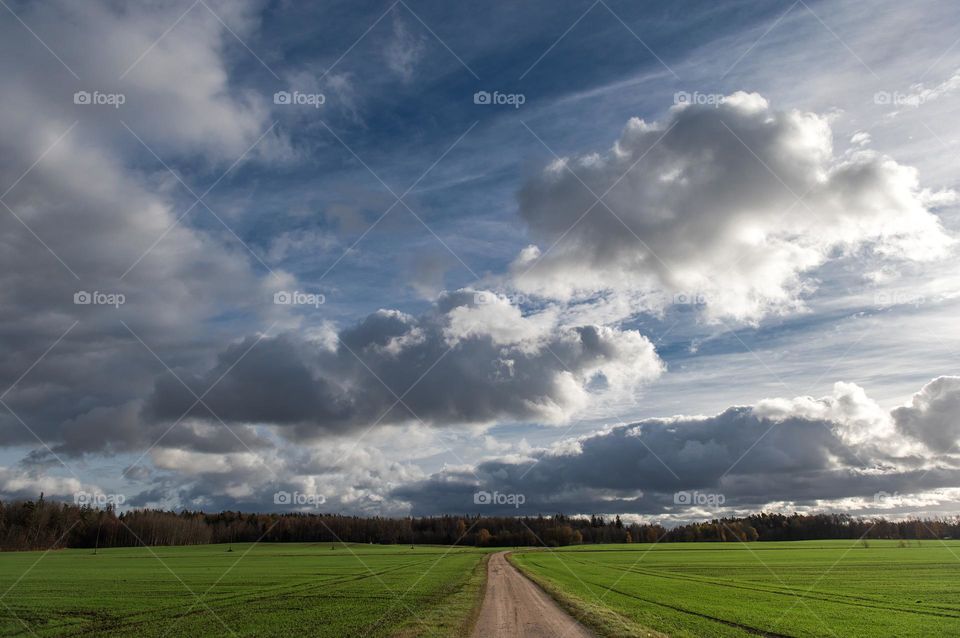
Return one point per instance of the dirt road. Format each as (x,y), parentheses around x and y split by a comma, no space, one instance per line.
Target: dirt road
(513,607)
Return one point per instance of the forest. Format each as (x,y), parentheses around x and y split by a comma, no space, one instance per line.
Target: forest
(43,525)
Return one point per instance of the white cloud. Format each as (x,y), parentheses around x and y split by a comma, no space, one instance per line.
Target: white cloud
(732,206)
(860,138)
(494,315)
(188,463)
(21,483)
(178,96)
(933,415)
(340,476)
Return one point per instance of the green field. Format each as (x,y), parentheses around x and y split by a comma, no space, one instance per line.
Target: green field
(263,590)
(809,588)
(816,588)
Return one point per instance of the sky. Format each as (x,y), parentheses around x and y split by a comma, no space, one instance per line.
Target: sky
(663,260)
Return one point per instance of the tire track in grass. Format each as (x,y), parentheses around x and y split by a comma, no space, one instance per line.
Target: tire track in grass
(227,601)
(831,597)
(756,631)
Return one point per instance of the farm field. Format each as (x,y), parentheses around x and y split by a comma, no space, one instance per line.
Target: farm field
(290,589)
(805,588)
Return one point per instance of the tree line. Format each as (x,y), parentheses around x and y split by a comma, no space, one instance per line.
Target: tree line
(41,524)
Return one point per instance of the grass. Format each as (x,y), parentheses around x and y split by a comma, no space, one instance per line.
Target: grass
(254,590)
(810,588)
(822,588)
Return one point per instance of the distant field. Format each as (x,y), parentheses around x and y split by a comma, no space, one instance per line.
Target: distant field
(274,590)
(810,588)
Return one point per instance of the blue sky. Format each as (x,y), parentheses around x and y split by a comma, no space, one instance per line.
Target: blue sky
(789,166)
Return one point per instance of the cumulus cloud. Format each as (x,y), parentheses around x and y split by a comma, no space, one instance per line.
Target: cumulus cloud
(19,483)
(340,476)
(933,415)
(88,208)
(801,452)
(474,358)
(731,205)
(177,92)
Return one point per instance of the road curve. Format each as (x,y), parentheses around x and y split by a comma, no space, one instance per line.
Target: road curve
(513,606)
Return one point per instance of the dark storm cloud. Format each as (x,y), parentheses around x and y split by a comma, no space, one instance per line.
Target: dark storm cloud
(473,359)
(89,209)
(802,452)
